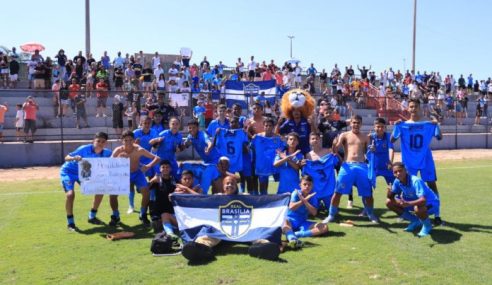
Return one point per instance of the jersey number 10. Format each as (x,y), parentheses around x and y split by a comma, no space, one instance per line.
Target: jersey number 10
(416,141)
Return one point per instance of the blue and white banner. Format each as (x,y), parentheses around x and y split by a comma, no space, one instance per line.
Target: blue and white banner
(238,218)
(239,92)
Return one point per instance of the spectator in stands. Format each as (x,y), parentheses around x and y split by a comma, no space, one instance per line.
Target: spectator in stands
(74,89)
(4,71)
(102,98)
(80,100)
(3,109)
(30,108)
(363,71)
(19,122)
(118,79)
(117,108)
(14,72)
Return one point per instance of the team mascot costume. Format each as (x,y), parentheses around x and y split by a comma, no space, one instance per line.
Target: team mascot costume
(297,99)
(297,107)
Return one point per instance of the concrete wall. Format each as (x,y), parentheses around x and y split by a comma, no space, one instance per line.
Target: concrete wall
(50,153)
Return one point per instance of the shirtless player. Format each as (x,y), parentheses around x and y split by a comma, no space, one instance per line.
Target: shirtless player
(353,170)
(134,152)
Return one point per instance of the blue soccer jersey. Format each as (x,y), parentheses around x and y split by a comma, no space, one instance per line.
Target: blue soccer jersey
(381,151)
(143,140)
(265,149)
(323,173)
(85,151)
(302,213)
(215,124)
(230,143)
(289,177)
(415,143)
(203,174)
(413,190)
(200,142)
(167,149)
(303,129)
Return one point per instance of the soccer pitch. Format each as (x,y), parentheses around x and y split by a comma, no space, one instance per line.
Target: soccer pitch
(36,248)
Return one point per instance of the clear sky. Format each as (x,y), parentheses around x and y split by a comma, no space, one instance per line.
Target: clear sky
(453,36)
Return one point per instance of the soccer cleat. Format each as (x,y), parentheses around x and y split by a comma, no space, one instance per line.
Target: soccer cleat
(197,252)
(95,221)
(350,204)
(71,227)
(328,219)
(413,226)
(114,221)
(173,237)
(438,221)
(145,221)
(130,210)
(373,218)
(425,231)
(295,244)
(268,250)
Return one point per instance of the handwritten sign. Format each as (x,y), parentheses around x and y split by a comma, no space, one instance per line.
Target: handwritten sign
(108,176)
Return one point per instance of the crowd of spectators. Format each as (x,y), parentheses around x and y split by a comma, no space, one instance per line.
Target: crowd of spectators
(138,86)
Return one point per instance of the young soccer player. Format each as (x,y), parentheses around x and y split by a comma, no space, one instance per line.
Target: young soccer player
(168,143)
(414,196)
(220,122)
(69,174)
(265,146)
(201,143)
(134,152)
(353,170)
(288,164)
(416,135)
(380,153)
(162,185)
(320,165)
(184,187)
(233,143)
(143,135)
(303,203)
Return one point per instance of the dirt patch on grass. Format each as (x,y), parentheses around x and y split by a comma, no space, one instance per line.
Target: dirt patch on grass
(53,172)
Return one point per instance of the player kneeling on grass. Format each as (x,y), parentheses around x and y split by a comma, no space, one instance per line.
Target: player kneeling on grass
(69,174)
(303,203)
(163,185)
(410,193)
(201,249)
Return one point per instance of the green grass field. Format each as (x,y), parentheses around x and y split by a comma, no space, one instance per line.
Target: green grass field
(36,248)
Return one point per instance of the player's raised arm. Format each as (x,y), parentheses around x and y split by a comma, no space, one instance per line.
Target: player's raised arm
(147,154)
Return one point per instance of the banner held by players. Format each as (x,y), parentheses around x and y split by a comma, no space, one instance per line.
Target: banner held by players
(239,218)
(108,176)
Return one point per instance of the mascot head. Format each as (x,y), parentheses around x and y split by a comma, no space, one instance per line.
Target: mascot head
(297,99)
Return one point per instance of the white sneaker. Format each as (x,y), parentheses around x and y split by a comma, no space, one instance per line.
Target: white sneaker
(97,115)
(104,115)
(328,219)
(130,210)
(350,204)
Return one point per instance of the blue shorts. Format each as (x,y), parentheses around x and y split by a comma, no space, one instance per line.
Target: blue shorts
(353,174)
(428,173)
(432,208)
(138,178)
(300,225)
(68,181)
(262,178)
(247,164)
(387,174)
(326,201)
